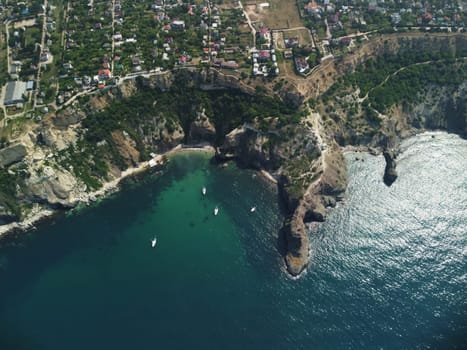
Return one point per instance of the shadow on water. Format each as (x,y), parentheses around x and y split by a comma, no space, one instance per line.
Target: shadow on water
(281,243)
(279,205)
(241,189)
(12,340)
(362,292)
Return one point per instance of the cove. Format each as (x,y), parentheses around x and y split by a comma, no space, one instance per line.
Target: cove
(388,267)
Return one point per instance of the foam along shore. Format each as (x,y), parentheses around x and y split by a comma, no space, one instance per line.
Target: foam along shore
(39,213)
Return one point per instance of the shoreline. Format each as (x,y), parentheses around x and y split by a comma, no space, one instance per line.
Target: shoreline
(268,176)
(38,214)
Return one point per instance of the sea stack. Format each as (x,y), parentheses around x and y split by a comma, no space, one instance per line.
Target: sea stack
(390,173)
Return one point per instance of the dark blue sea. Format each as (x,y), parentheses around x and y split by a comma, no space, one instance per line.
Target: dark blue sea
(388,268)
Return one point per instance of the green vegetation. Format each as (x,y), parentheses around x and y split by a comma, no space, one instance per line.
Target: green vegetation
(87,163)
(369,75)
(9,181)
(406,84)
(149,110)
(301,172)
(395,78)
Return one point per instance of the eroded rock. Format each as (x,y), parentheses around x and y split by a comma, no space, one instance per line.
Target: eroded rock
(390,173)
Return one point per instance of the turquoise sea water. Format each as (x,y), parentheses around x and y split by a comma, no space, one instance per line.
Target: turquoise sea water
(388,268)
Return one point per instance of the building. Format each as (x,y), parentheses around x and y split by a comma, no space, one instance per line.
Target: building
(15,68)
(301,64)
(312,8)
(104,74)
(221,63)
(178,25)
(264,56)
(291,42)
(14,93)
(230,65)
(265,35)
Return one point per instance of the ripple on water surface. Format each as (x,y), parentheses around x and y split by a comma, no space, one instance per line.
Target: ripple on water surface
(388,268)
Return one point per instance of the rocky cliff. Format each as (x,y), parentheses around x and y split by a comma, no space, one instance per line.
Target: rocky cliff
(312,207)
(390,173)
(438,106)
(48,167)
(309,180)
(379,46)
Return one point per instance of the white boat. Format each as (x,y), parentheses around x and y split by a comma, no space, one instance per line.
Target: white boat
(203,191)
(216,210)
(153,242)
(253,209)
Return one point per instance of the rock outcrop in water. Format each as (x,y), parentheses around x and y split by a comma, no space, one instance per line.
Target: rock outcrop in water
(312,207)
(390,173)
(304,157)
(325,185)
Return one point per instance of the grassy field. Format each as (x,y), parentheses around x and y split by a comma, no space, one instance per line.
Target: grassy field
(287,68)
(14,128)
(279,14)
(32,35)
(303,35)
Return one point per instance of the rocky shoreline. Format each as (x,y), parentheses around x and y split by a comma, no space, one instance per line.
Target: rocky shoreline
(321,195)
(305,158)
(38,214)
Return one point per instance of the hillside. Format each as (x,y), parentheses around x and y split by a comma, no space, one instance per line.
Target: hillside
(390,88)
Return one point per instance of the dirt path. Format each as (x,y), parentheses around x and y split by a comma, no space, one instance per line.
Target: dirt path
(253,30)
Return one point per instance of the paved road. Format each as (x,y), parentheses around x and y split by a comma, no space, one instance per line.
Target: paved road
(44,30)
(3,89)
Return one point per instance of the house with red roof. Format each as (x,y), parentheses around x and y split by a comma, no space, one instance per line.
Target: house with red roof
(312,8)
(427,17)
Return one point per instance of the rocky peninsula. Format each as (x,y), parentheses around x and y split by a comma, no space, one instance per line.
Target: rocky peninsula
(295,133)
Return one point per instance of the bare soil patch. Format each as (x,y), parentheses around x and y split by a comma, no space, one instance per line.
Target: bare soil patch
(279,13)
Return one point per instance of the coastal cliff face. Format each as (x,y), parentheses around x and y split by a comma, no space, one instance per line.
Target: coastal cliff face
(48,166)
(347,118)
(440,107)
(309,180)
(312,207)
(383,45)
(66,158)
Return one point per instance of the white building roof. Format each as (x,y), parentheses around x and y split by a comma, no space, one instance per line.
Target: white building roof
(14,92)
